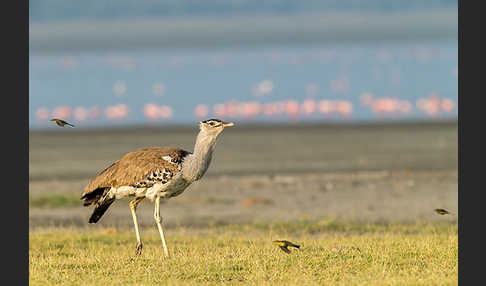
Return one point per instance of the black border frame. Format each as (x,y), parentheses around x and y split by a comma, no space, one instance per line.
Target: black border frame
(15,211)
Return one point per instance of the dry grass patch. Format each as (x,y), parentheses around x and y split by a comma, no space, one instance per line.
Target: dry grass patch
(420,254)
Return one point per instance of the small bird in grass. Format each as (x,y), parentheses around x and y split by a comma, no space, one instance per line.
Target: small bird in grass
(61,122)
(441,211)
(284,245)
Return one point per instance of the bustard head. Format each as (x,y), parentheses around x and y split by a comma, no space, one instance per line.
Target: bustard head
(213,127)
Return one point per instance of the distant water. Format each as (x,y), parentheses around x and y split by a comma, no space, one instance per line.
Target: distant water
(351,81)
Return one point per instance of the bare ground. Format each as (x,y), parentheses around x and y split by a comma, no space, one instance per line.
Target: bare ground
(378,173)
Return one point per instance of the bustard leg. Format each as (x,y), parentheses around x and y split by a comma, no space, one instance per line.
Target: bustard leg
(159,225)
(133,207)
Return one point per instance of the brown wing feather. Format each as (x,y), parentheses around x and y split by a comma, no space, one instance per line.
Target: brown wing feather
(135,166)
(285,249)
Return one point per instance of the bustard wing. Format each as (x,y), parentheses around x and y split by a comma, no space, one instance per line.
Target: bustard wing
(138,168)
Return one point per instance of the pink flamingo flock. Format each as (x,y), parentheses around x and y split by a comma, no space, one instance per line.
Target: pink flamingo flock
(432,105)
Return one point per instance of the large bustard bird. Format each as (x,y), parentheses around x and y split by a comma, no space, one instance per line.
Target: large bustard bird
(154,173)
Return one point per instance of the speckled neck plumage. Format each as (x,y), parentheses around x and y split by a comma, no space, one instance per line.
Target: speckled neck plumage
(195,165)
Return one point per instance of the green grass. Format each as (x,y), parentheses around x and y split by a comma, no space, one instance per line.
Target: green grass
(417,254)
(68,200)
(55,201)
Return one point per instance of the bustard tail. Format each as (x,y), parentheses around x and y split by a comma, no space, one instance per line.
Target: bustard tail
(99,199)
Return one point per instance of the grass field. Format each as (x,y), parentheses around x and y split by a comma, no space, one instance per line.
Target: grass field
(358,198)
(330,254)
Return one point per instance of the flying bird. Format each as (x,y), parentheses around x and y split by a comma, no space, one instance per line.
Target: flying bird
(442,211)
(61,122)
(156,173)
(284,245)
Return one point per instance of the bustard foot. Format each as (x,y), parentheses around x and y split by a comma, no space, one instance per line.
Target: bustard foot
(138,251)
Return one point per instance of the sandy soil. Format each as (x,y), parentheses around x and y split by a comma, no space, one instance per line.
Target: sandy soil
(368,173)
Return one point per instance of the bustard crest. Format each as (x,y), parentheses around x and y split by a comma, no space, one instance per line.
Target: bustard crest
(214,126)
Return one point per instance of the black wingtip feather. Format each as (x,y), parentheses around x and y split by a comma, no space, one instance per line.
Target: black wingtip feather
(93,197)
(99,211)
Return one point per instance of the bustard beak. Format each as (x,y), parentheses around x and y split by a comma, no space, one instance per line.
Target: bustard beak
(228,124)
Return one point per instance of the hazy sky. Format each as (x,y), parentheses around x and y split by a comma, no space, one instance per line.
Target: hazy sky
(210,32)
(72,10)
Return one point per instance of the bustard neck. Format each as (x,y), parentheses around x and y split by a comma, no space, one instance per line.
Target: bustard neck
(196,164)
